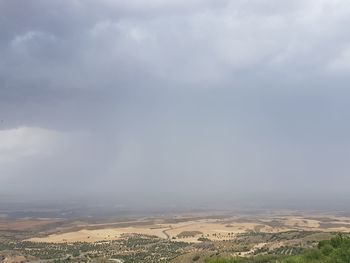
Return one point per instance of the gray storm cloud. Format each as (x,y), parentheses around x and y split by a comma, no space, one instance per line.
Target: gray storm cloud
(194,98)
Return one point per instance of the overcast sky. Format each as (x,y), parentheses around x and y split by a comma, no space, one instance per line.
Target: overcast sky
(175,98)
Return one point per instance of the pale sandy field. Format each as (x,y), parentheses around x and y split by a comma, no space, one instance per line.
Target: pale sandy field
(213,229)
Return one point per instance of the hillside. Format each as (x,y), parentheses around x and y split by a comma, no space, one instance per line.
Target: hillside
(334,250)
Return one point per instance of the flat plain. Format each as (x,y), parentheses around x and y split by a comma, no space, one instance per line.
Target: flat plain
(167,238)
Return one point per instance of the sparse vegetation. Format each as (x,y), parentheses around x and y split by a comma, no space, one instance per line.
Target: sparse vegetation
(336,250)
(214,243)
(189,234)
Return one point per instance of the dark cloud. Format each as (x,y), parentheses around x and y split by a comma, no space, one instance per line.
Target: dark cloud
(245,97)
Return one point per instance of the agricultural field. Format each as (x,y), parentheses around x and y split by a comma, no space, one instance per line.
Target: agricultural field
(189,238)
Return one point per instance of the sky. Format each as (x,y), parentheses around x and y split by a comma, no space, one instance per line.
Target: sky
(175,100)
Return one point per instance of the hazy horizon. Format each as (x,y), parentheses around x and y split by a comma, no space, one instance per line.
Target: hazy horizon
(173,102)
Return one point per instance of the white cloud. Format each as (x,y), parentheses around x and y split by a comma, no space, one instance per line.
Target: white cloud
(25,37)
(24,142)
(23,149)
(32,35)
